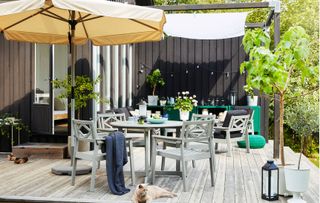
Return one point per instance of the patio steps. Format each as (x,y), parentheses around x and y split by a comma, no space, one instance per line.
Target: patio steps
(41,150)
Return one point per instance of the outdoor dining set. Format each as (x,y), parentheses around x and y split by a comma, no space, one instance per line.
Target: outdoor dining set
(191,140)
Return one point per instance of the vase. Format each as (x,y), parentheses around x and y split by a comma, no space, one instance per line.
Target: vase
(184,115)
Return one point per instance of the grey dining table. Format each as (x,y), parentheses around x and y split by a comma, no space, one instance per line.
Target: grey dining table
(148,129)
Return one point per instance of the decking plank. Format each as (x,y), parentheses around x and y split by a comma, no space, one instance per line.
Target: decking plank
(237,180)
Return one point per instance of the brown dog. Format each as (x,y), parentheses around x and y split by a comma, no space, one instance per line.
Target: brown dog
(146,193)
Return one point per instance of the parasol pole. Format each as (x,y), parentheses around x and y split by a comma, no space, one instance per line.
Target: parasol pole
(80,169)
(72,23)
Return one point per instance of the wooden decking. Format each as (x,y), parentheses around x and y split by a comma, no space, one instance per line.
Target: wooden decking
(237,180)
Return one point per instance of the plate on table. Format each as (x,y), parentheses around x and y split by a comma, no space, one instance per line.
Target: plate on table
(156,120)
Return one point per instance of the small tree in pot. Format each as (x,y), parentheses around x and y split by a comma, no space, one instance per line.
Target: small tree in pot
(275,71)
(302,116)
(83,92)
(154,79)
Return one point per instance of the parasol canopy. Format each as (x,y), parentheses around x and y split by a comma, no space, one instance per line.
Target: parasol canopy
(102,22)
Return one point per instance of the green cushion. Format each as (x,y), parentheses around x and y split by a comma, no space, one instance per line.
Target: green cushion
(256,142)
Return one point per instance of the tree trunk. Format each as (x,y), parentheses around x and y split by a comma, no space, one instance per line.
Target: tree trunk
(78,114)
(154,90)
(281,129)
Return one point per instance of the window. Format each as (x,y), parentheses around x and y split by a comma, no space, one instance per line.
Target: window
(42,74)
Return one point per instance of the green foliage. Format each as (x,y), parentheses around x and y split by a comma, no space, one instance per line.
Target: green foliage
(270,71)
(7,120)
(280,71)
(303,13)
(155,79)
(83,92)
(184,102)
(302,115)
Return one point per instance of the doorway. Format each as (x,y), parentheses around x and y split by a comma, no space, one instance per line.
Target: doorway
(49,110)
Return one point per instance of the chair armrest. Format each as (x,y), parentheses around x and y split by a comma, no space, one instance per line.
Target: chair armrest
(106,129)
(221,128)
(161,137)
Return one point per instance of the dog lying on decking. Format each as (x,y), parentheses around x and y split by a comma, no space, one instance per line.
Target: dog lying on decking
(146,193)
(17,160)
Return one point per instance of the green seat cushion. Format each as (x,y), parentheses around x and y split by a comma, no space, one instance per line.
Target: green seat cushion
(256,142)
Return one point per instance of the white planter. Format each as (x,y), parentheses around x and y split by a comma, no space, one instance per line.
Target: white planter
(152,100)
(83,146)
(282,183)
(184,115)
(252,101)
(297,182)
(163,102)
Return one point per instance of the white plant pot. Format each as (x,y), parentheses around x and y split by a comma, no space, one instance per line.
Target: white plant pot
(83,146)
(252,101)
(282,183)
(163,102)
(297,181)
(184,115)
(152,100)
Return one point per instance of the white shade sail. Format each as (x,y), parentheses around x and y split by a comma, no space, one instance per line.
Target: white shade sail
(206,26)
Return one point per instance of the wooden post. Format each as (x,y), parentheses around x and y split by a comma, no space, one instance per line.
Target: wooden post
(276,97)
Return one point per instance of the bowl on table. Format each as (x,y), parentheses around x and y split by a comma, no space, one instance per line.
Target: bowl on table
(156,120)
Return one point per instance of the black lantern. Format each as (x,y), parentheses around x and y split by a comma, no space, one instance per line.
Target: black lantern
(270,181)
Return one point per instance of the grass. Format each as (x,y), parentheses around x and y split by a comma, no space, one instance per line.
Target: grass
(315,160)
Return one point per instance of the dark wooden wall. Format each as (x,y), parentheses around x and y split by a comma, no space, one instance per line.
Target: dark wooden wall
(16,81)
(205,68)
(17,84)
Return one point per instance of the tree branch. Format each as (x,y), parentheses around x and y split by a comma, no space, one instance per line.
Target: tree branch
(288,80)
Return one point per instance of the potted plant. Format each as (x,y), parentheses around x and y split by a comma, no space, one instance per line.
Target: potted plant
(302,117)
(252,100)
(10,122)
(163,101)
(184,103)
(154,79)
(278,71)
(83,92)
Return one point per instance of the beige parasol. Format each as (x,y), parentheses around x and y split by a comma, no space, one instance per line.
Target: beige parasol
(76,22)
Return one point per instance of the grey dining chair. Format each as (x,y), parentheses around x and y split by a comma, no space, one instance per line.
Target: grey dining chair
(192,131)
(103,123)
(194,117)
(234,128)
(86,131)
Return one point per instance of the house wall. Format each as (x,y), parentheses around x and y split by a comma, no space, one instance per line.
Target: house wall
(17,86)
(205,68)
(16,82)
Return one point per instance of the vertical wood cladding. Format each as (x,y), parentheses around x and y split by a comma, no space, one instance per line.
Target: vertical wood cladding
(206,68)
(16,75)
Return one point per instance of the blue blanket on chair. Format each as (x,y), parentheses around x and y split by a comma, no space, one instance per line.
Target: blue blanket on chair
(116,158)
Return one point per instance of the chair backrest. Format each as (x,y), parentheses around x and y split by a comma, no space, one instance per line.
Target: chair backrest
(105,119)
(246,108)
(194,131)
(238,123)
(84,130)
(227,120)
(201,117)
